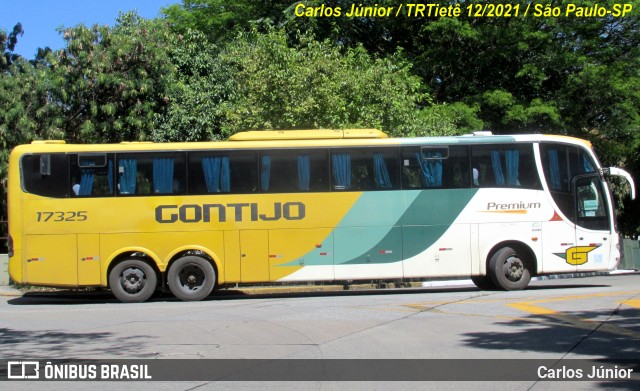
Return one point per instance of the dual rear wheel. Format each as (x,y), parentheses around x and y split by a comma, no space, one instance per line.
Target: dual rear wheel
(190,278)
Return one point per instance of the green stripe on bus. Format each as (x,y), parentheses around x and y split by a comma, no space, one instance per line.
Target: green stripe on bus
(425,220)
(380,228)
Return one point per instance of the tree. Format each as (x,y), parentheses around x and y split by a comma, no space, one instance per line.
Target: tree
(221,20)
(25,114)
(316,85)
(195,91)
(110,83)
(8,44)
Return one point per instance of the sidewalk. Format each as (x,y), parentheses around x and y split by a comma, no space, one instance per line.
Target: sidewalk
(9,291)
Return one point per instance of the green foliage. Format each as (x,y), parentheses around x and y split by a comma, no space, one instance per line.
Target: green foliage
(23,112)
(448,119)
(8,44)
(221,20)
(109,84)
(195,91)
(315,85)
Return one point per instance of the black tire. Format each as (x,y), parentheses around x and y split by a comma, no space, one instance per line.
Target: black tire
(508,270)
(191,278)
(483,283)
(133,281)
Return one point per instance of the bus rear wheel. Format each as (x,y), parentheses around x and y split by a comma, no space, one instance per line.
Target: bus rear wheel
(191,278)
(508,270)
(133,281)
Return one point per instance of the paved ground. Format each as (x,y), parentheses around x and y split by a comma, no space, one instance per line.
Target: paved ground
(594,318)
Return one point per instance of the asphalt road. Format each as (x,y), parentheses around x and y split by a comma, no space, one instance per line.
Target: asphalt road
(595,318)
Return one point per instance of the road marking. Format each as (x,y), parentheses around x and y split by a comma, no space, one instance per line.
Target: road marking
(586,324)
(531,305)
(635,303)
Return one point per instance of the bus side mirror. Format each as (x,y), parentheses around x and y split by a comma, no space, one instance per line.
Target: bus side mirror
(614,171)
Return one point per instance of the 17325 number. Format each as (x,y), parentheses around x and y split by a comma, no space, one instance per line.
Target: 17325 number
(57,217)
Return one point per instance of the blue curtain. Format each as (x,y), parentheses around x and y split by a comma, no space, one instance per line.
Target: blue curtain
(431,169)
(86,182)
(497,167)
(554,170)
(86,179)
(304,172)
(265,172)
(341,163)
(383,181)
(512,157)
(217,174)
(163,175)
(129,170)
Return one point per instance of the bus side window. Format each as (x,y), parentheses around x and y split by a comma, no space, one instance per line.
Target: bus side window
(92,175)
(213,172)
(150,174)
(509,165)
(364,169)
(289,171)
(456,168)
(435,167)
(52,182)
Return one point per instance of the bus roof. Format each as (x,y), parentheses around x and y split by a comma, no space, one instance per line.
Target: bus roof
(298,138)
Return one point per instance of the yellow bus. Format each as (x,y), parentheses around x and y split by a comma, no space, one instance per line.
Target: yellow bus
(321,205)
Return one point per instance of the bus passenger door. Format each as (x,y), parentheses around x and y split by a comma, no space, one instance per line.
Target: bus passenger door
(593,225)
(51,259)
(254,256)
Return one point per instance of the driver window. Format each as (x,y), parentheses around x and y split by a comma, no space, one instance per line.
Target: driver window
(591,208)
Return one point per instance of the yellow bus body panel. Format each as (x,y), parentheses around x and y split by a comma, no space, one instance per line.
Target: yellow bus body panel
(244,248)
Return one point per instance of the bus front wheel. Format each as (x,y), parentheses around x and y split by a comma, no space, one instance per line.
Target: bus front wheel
(508,270)
(191,278)
(483,283)
(132,281)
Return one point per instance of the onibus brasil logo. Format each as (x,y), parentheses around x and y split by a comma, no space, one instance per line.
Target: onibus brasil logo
(577,255)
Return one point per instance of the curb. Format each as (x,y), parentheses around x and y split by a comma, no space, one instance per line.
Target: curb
(9,292)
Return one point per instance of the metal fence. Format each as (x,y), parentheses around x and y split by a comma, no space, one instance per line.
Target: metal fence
(631,258)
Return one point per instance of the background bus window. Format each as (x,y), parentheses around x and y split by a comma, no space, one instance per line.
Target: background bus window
(228,172)
(510,165)
(365,169)
(290,171)
(54,182)
(92,175)
(151,173)
(435,167)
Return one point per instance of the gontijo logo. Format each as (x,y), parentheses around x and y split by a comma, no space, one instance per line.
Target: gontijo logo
(577,255)
(196,213)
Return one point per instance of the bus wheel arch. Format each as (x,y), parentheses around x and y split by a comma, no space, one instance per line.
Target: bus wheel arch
(132,278)
(192,275)
(510,265)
